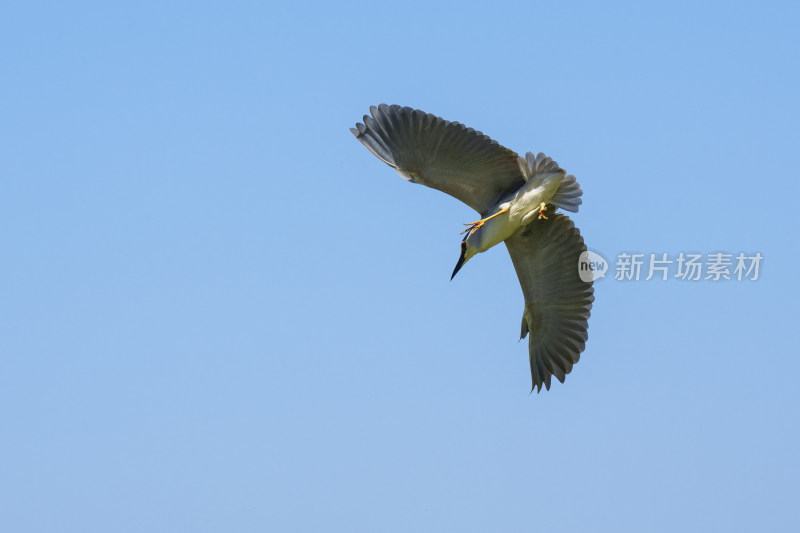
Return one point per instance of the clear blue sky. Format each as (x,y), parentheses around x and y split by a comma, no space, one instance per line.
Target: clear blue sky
(219,312)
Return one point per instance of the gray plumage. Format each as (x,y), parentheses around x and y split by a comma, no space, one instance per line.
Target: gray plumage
(516,197)
(557,302)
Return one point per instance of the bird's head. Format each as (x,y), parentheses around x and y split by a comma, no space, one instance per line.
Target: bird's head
(468,249)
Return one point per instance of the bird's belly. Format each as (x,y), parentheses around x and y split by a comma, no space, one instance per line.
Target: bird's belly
(519,204)
(527,200)
(497,230)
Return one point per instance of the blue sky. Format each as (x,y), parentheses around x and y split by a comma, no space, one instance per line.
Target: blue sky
(219,312)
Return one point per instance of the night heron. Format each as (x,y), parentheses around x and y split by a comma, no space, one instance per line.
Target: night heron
(516,198)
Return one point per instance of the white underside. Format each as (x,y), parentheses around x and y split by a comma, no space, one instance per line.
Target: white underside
(523,207)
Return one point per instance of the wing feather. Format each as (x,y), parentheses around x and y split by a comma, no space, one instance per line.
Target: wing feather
(557,302)
(441,154)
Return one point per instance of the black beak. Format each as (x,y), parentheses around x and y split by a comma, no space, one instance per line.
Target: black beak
(460,259)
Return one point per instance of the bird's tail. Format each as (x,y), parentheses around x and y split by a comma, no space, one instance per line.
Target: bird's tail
(536,167)
(568,195)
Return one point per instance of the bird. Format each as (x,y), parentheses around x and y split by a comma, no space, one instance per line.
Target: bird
(516,198)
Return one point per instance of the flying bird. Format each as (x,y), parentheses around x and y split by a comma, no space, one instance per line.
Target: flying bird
(516,198)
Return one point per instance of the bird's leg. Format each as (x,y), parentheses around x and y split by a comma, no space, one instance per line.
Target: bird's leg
(478,223)
(542,209)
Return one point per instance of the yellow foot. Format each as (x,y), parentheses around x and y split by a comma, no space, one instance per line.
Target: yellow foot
(542,209)
(472,226)
(478,223)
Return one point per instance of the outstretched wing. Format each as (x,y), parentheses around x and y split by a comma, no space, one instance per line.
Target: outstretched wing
(557,302)
(444,155)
